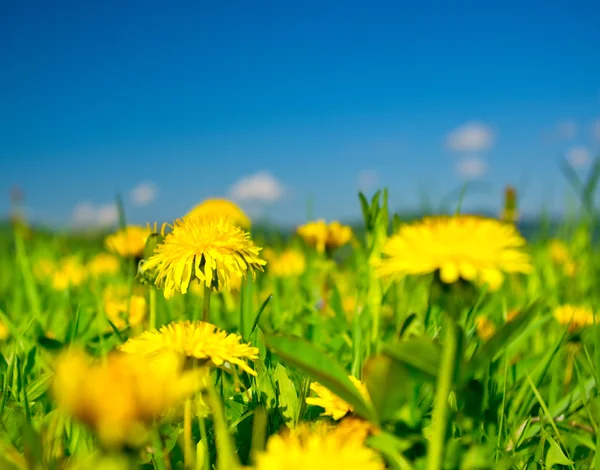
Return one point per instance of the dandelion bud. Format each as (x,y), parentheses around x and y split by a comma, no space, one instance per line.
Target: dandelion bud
(510,213)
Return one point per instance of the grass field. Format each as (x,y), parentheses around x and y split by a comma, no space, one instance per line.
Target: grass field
(445,347)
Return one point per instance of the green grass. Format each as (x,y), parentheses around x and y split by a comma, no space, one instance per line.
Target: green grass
(510,405)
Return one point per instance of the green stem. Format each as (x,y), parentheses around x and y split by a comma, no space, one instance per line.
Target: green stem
(188,447)
(28,281)
(435,451)
(152,308)
(204,439)
(206,310)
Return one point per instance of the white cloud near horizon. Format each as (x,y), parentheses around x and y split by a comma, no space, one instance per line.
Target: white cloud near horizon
(578,156)
(471,168)
(472,136)
(260,187)
(88,215)
(143,194)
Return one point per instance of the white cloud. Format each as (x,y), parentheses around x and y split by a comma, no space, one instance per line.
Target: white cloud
(596,130)
(88,215)
(471,168)
(368,180)
(578,156)
(143,194)
(260,187)
(472,136)
(567,129)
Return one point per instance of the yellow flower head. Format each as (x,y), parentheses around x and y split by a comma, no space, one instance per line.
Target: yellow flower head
(485,327)
(462,246)
(4,331)
(103,264)
(560,255)
(354,428)
(128,242)
(317,447)
(198,340)
(222,208)
(573,316)
(290,263)
(334,406)
(119,397)
(70,272)
(121,309)
(325,236)
(207,248)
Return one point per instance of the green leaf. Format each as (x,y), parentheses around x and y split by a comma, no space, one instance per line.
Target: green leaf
(39,386)
(497,343)
(49,343)
(322,368)
(260,312)
(406,324)
(287,399)
(555,455)
(418,354)
(364,205)
(386,380)
(246,312)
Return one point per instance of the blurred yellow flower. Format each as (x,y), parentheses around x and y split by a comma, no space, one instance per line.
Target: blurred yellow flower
(198,340)
(574,316)
(210,249)
(128,242)
(221,208)
(354,428)
(485,327)
(103,264)
(317,447)
(334,406)
(121,309)
(325,236)
(560,255)
(4,331)
(289,263)
(461,246)
(120,396)
(43,269)
(70,272)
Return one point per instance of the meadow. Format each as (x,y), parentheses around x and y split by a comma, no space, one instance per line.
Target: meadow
(443,342)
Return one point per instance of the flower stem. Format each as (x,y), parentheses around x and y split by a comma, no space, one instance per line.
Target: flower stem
(188,447)
(152,308)
(206,310)
(435,451)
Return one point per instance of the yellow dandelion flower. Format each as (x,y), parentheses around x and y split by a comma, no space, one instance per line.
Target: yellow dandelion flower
(103,264)
(128,242)
(325,236)
(462,246)
(198,340)
(4,331)
(121,309)
(574,316)
(334,406)
(485,327)
(561,256)
(290,263)
(70,272)
(221,208)
(354,428)
(316,447)
(43,269)
(210,249)
(119,397)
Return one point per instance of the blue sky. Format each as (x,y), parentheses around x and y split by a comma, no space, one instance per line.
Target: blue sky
(278,103)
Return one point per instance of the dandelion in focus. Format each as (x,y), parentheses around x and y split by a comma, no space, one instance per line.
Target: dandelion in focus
(333,405)
(325,236)
(128,242)
(222,208)
(574,316)
(118,398)
(317,447)
(459,247)
(122,309)
(209,249)
(198,340)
